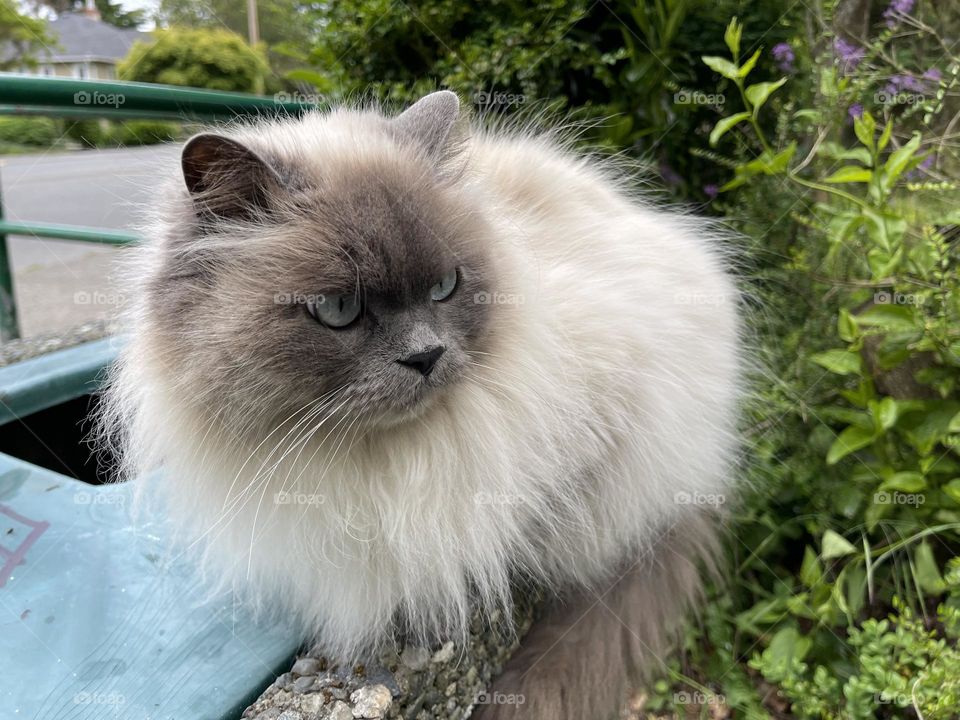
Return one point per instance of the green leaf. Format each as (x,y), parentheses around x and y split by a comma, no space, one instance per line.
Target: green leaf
(722,66)
(864,127)
(841,226)
(929,426)
(841,362)
(952,490)
(721,128)
(814,116)
(749,64)
(732,36)
(885,136)
(811,570)
(849,441)
(888,317)
(856,586)
(834,545)
(897,162)
(787,648)
(758,94)
(846,326)
(835,151)
(954,425)
(926,571)
(885,229)
(782,159)
(908,482)
(885,412)
(851,173)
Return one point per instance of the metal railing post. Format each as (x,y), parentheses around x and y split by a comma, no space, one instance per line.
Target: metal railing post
(9,328)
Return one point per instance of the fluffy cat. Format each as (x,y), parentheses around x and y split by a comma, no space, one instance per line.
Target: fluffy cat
(390,366)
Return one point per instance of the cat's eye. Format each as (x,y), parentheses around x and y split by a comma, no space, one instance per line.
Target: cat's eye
(335,311)
(444,289)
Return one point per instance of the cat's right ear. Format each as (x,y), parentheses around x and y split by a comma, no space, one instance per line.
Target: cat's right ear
(225,178)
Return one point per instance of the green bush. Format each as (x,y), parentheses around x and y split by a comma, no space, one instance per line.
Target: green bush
(144,132)
(33,131)
(845,592)
(628,68)
(202,58)
(88,133)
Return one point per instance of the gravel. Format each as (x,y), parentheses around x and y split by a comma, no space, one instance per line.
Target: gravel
(16,350)
(414,683)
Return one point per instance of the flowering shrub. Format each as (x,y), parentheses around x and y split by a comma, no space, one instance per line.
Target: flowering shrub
(845,602)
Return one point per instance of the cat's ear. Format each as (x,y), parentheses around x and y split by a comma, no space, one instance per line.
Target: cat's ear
(430,120)
(225,178)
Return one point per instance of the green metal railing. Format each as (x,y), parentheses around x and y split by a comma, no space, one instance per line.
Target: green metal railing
(91,99)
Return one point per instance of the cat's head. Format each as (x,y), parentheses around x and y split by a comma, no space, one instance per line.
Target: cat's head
(333,262)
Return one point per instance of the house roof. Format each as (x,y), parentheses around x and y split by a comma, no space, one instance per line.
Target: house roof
(84,38)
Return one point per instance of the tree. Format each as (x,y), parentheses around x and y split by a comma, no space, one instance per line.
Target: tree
(110,12)
(113,13)
(202,58)
(288,27)
(23,36)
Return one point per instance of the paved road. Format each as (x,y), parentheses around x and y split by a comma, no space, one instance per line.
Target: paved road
(60,284)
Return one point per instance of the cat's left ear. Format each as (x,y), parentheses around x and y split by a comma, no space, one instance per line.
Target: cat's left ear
(226,178)
(430,120)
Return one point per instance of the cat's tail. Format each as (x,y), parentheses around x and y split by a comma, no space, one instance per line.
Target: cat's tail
(578,662)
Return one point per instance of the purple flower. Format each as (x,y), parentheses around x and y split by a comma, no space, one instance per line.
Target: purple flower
(711,190)
(933,75)
(784,56)
(848,53)
(855,111)
(896,11)
(904,82)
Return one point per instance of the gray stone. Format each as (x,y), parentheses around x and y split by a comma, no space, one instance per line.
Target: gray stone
(340,711)
(414,657)
(444,654)
(306,666)
(312,703)
(371,702)
(302,684)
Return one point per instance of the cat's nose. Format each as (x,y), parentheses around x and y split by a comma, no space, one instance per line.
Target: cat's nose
(424,361)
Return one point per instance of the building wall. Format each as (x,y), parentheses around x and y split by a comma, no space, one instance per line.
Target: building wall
(79,70)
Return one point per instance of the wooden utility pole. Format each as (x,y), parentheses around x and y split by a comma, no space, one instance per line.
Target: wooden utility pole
(253,23)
